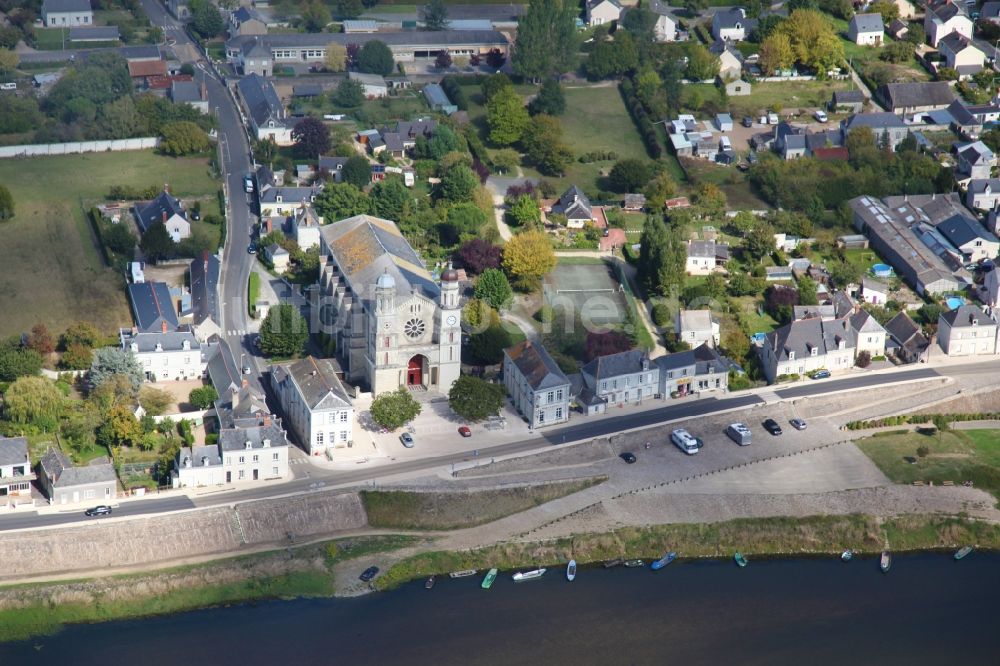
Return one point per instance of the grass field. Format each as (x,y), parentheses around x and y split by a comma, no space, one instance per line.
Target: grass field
(735,184)
(956,456)
(53,272)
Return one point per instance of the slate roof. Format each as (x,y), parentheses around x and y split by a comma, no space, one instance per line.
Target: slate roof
(57,6)
(824,139)
(365,247)
(261,100)
(235,439)
(200,455)
(307,90)
(959,230)
(170,341)
(906,333)
(289,194)
(614,365)
(826,310)
(976,152)
(865,23)
(246,13)
(728,18)
(140,52)
(424,38)
(152,306)
(160,209)
(703,358)
(185,91)
(916,93)
(707,248)
(719,47)
(897,25)
(804,335)
(13,450)
(955,42)
(878,120)
(981,185)
(316,382)
(62,474)
(964,315)
(848,97)
(874,285)
(989,10)
(205,288)
(225,375)
(863,322)
(945,10)
(539,370)
(575,205)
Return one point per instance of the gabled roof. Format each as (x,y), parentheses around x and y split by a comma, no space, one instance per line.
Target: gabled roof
(223,371)
(916,94)
(960,230)
(160,209)
(848,97)
(147,341)
(152,307)
(237,439)
(945,10)
(367,79)
(863,322)
(615,365)
(719,47)
(965,316)
(365,247)
(898,25)
(140,68)
(289,194)
(13,450)
(990,10)
(906,332)
(707,248)
(261,100)
(185,91)
(539,370)
(866,23)
(976,152)
(878,120)
(955,42)
(981,185)
(575,205)
(315,381)
(205,288)
(804,335)
(874,285)
(246,14)
(56,6)
(331,164)
(730,18)
(62,474)
(703,358)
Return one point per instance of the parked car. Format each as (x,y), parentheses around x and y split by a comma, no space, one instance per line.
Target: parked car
(251,249)
(465,431)
(821,374)
(684,441)
(100,510)
(747,121)
(247,370)
(407,440)
(739,433)
(820,116)
(368,574)
(248,183)
(798,424)
(628,457)
(772,427)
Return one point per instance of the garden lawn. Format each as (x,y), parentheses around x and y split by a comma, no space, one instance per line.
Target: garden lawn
(53,272)
(786,95)
(956,456)
(739,194)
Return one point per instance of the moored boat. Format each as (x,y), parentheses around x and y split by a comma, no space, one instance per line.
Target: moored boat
(491,576)
(740,560)
(430,583)
(847,555)
(463,573)
(521,576)
(663,561)
(571,571)
(611,564)
(885,562)
(634,563)
(962,552)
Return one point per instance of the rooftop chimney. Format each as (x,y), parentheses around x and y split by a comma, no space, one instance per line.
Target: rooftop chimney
(163,326)
(163,216)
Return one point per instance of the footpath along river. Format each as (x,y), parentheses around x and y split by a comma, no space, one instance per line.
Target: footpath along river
(927,610)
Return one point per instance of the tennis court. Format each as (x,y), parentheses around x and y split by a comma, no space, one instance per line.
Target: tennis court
(591,292)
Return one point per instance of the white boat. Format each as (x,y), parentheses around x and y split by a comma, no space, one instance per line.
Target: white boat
(571,570)
(522,576)
(463,573)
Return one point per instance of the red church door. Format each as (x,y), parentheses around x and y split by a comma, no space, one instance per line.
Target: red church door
(414,371)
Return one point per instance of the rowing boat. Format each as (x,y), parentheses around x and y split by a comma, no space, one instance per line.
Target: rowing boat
(463,573)
(491,576)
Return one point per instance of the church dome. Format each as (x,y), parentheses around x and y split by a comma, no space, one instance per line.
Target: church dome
(450,274)
(385,281)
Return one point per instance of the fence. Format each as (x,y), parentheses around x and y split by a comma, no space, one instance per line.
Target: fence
(74,147)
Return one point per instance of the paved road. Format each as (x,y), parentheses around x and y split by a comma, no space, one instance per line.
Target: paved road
(865,381)
(138,508)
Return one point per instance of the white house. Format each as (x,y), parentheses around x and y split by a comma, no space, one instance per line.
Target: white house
(969,237)
(537,387)
(168,210)
(600,12)
(961,54)
(866,29)
(67,13)
(254,453)
(983,193)
(278,256)
(263,107)
(869,335)
(967,331)
(704,256)
(732,24)
(626,378)
(730,59)
(373,85)
(316,405)
(665,28)
(16,474)
(944,17)
(806,345)
(697,327)
(306,228)
(166,356)
(873,291)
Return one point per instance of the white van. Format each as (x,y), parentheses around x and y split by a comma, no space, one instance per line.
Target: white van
(725,143)
(739,433)
(684,441)
(772,119)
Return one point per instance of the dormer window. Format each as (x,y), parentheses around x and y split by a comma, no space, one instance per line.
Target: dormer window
(159,346)
(135,348)
(812,350)
(186,345)
(278,198)
(248,445)
(791,356)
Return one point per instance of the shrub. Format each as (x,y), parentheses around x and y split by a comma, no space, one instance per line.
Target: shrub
(661,314)
(922,451)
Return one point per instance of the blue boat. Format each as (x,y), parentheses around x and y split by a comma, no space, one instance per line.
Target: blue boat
(663,561)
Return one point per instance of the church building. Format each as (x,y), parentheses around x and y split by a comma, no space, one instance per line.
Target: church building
(394,326)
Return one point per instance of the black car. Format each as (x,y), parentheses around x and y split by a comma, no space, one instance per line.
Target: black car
(102,510)
(369,573)
(772,427)
(747,121)
(628,457)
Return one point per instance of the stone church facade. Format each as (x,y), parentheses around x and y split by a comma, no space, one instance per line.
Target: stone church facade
(393,324)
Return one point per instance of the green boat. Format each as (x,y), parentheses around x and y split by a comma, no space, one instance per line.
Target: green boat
(491,576)
(740,560)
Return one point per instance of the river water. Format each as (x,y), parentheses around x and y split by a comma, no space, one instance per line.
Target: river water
(927,610)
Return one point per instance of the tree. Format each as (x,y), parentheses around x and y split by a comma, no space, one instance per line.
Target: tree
(629,175)
(779,302)
(80,333)
(477,255)
(390,198)
(671,273)
(436,15)
(394,409)
(613,58)
(545,146)
(506,116)
(652,247)
(157,244)
(550,99)
(312,137)
(17,361)
(339,201)
(41,340)
(493,84)
(443,59)
(475,399)
(711,200)
(33,400)
(9,60)
(495,59)
(864,359)
(444,141)
(283,332)
(315,16)
(546,39)
(120,428)
(458,183)
(203,397)
(814,41)
(357,171)
(760,241)
(505,160)
(154,401)
(183,138)
(702,64)
(694,6)
(349,94)
(6,203)
(640,22)
(807,291)
(524,211)
(605,344)
(486,347)
(265,150)
(119,239)
(493,288)
(776,53)
(206,20)
(527,257)
(375,58)
(888,10)
(336,58)
(111,361)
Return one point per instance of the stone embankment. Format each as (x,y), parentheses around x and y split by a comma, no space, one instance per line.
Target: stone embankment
(120,544)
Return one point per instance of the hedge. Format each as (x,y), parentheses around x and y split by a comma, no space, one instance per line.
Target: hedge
(922,419)
(641,119)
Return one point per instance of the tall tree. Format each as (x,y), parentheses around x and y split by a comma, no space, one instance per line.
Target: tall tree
(111,361)
(776,53)
(672,270)
(349,94)
(375,58)
(284,331)
(546,39)
(17,361)
(206,18)
(315,16)
(157,244)
(550,100)
(312,137)
(506,116)
(475,399)
(545,146)
(527,257)
(33,400)
(336,58)
(338,201)
(652,245)
(458,184)
(395,409)
(357,171)
(390,198)
(436,15)
(493,288)
(702,65)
